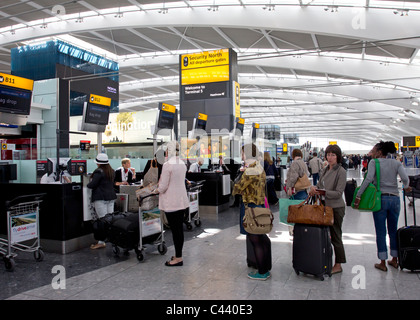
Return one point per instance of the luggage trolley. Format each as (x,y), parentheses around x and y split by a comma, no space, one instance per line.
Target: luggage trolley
(150,226)
(193,190)
(22,226)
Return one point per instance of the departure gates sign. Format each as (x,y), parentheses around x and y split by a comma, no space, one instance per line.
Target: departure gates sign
(205,67)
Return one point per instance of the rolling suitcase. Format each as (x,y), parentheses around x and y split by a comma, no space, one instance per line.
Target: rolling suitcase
(125,232)
(408,242)
(351,186)
(312,250)
(250,255)
(101,227)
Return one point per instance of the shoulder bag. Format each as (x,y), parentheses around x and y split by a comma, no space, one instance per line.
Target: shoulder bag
(302,183)
(371,197)
(258,220)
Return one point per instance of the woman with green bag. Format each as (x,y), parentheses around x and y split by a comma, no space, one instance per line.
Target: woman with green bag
(390,200)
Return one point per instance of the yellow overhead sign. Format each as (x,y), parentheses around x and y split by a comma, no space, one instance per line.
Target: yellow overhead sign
(168,108)
(284,147)
(256,125)
(205,67)
(205,59)
(417,141)
(104,101)
(333,142)
(16,82)
(241,120)
(205,75)
(202,116)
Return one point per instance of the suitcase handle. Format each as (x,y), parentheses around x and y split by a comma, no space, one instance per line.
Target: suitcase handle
(405,209)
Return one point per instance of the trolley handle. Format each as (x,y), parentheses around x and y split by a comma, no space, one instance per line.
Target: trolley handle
(150,195)
(25,198)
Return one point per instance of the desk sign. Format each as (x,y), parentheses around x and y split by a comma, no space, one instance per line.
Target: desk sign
(104,101)
(16,82)
(168,107)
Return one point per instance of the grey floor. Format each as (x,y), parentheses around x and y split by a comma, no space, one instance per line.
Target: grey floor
(214,269)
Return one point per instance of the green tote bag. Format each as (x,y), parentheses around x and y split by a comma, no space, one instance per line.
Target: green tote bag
(371,197)
(284,204)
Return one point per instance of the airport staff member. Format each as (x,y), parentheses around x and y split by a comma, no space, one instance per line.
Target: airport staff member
(125,174)
(196,166)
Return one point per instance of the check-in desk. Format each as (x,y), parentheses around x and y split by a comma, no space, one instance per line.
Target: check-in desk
(62,229)
(215,193)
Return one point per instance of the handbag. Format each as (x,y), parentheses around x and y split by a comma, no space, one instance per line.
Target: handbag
(258,220)
(302,183)
(371,197)
(152,174)
(284,204)
(146,200)
(308,213)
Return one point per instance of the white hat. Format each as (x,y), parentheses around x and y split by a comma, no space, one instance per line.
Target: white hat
(101,158)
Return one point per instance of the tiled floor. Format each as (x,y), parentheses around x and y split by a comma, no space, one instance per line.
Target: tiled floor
(214,268)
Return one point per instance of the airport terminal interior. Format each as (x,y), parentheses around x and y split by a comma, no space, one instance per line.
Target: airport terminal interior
(105,81)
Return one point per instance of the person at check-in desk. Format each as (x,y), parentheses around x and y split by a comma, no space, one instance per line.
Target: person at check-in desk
(196,166)
(125,174)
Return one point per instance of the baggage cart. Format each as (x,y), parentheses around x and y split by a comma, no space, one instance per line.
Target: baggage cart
(151,227)
(193,212)
(22,229)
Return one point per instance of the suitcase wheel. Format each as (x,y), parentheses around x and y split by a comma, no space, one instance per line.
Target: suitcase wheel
(197,223)
(297,272)
(116,250)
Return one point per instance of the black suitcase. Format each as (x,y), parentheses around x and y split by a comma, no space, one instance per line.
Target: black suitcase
(250,255)
(125,232)
(312,250)
(351,186)
(101,227)
(408,242)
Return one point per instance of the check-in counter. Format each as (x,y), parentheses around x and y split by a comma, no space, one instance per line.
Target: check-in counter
(62,229)
(215,193)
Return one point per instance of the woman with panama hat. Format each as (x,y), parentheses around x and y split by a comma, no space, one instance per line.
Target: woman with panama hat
(103,193)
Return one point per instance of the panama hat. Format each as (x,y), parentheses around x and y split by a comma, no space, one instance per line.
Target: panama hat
(101,158)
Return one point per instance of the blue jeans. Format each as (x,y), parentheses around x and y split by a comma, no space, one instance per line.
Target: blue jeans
(315,177)
(387,216)
(301,195)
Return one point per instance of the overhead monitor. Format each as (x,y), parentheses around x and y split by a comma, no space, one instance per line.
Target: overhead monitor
(95,114)
(166,116)
(255,128)
(200,121)
(239,126)
(15,99)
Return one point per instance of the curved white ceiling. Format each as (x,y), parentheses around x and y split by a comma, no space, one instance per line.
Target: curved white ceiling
(351,74)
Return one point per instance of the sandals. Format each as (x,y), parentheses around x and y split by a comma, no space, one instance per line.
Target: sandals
(393,263)
(381,267)
(98,246)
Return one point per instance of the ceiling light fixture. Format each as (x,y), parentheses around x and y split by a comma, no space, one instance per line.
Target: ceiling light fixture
(401,12)
(331,8)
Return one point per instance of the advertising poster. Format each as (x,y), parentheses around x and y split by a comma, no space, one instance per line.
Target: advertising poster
(23,227)
(151,223)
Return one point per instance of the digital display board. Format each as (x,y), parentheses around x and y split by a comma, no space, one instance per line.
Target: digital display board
(97,114)
(166,116)
(15,94)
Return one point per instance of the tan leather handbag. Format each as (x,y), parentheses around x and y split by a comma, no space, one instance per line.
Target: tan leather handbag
(307,213)
(302,183)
